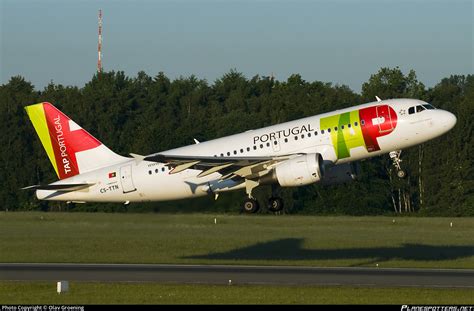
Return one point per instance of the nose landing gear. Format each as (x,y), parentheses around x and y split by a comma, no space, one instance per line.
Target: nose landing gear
(395,156)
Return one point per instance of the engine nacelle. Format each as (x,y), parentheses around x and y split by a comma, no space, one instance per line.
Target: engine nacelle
(340,174)
(301,170)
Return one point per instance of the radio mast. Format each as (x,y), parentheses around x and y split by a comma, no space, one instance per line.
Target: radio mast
(99,47)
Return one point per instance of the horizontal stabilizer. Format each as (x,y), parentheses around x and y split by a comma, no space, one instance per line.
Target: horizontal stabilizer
(59,187)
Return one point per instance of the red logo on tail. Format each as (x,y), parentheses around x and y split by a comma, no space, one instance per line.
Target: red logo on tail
(66,142)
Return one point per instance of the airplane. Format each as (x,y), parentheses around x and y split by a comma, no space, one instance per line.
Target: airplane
(321,148)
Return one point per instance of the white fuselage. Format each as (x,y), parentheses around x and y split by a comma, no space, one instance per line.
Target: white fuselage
(135,180)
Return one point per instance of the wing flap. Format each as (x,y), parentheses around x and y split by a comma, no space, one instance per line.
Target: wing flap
(181,167)
(214,169)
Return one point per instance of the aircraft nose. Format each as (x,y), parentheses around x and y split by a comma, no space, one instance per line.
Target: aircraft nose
(449,120)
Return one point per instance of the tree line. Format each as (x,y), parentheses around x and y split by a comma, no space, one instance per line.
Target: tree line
(145,114)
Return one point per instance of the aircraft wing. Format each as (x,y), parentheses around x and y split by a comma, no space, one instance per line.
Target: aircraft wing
(228,167)
(59,187)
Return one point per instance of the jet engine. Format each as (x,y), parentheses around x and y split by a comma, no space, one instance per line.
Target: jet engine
(302,170)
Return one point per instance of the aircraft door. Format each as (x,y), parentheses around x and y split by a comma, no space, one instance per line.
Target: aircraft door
(384,119)
(126,179)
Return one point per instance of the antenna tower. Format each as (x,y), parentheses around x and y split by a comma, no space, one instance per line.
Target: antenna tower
(99,47)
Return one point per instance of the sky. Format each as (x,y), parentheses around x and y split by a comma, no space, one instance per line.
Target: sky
(339,41)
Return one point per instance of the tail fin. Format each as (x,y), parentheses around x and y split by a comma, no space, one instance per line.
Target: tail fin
(70,148)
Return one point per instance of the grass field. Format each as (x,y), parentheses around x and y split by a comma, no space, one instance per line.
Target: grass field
(152,293)
(266,240)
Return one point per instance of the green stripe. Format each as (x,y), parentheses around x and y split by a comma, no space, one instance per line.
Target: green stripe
(342,150)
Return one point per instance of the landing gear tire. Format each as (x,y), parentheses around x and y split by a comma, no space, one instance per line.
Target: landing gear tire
(401,174)
(275,204)
(250,206)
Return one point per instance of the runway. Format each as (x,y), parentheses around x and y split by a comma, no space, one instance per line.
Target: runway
(223,274)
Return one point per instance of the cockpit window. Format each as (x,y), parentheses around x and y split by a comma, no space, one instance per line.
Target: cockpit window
(428,106)
(420,108)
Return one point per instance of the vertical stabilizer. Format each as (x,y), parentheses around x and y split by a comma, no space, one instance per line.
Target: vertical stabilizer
(70,148)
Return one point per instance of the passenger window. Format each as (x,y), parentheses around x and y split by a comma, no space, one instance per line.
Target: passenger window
(309,134)
(275,142)
(228,153)
(163,169)
(335,128)
(315,133)
(261,146)
(235,151)
(156,170)
(349,125)
(296,137)
(302,135)
(222,154)
(322,131)
(286,140)
(248,148)
(254,147)
(329,130)
(411,110)
(241,150)
(268,144)
(342,127)
(149,172)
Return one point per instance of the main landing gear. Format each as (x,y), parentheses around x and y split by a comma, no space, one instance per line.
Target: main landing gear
(251,205)
(395,156)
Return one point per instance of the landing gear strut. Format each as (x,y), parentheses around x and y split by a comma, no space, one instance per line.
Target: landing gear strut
(395,156)
(250,205)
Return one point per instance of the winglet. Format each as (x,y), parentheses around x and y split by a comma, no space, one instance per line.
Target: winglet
(378,98)
(138,157)
(196,141)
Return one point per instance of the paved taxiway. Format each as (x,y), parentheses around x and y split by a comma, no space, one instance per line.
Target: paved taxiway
(221,274)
